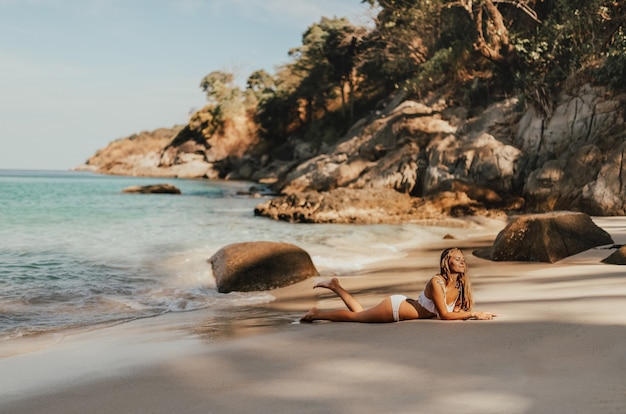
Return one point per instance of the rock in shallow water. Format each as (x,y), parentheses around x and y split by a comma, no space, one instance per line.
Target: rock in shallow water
(153,189)
(262,265)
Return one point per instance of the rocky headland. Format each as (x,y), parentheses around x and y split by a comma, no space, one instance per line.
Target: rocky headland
(413,160)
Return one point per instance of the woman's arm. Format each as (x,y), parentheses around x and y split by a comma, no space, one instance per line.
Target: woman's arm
(464,315)
(436,290)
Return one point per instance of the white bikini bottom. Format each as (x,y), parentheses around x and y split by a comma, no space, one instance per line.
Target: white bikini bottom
(396,301)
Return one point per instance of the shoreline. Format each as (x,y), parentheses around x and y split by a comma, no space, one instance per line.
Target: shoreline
(557,346)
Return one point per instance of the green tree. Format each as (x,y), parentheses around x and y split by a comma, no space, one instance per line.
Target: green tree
(490,33)
(574,35)
(404,37)
(341,48)
(278,112)
(261,84)
(321,70)
(225,100)
(312,69)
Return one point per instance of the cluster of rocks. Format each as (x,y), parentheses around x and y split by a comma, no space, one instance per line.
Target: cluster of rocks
(373,206)
(519,159)
(573,160)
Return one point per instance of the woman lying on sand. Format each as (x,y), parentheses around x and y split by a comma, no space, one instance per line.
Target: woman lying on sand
(447,295)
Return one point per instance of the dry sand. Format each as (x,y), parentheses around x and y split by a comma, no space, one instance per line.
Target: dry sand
(558,346)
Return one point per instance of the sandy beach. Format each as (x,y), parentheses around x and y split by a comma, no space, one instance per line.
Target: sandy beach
(557,346)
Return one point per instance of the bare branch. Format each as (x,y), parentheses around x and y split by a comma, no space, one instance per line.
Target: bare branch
(523,5)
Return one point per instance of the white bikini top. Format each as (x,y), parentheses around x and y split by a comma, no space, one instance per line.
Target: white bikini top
(429,305)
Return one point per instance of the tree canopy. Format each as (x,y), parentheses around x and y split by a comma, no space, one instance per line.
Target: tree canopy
(478,50)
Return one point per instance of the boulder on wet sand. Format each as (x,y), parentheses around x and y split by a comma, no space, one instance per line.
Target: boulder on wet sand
(153,189)
(618,257)
(547,237)
(262,265)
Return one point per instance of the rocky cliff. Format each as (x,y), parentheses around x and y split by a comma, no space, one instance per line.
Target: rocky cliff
(187,151)
(517,160)
(503,156)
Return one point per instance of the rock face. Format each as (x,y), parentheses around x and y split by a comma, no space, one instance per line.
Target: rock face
(153,189)
(136,155)
(413,148)
(617,258)
(547,237)
(256,266)
(195,150)
(520,161)
(575,159)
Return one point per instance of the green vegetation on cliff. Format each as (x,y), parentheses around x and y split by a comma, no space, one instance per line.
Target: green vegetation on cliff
(478,51)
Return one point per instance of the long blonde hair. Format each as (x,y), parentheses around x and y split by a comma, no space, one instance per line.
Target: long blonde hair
(463,283)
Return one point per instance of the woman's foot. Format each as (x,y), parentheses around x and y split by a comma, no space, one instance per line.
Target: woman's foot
(310,316)
(331,284)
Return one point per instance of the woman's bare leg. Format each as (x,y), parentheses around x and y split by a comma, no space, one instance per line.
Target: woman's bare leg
(348,299)
(378,314)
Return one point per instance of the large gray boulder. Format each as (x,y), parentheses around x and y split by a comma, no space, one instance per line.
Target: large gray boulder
(261,265)
(547,237)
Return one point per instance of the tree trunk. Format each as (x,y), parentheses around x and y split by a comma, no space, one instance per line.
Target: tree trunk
(351,85)
(343,98)
(492,35)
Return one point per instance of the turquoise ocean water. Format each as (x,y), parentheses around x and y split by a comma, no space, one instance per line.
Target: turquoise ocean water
(76,252)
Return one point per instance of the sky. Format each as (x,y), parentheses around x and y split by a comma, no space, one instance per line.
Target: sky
(78,74)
